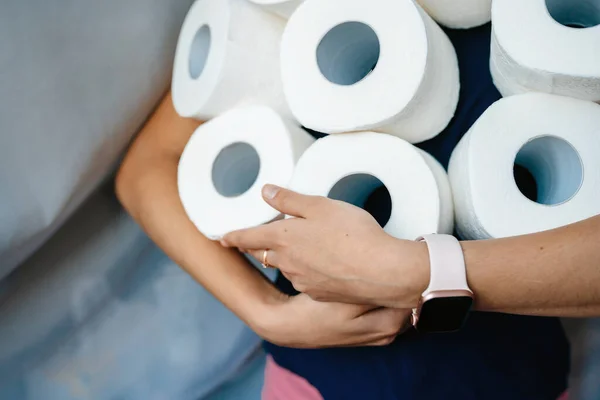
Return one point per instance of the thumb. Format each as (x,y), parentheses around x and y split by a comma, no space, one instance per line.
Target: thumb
(388,320)
(289,202)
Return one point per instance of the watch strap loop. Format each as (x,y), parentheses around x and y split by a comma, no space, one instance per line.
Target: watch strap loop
(447,263)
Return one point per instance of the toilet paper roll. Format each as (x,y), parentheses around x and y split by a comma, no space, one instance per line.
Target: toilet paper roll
(555,138)
(350,167)
(384,66)
(227,55)
(228,160)
(537,47)
(459,14)
(283,8)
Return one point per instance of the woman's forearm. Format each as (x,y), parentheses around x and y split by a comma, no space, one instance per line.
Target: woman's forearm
(347,257)
(549,273)
(147,187)
(154,204)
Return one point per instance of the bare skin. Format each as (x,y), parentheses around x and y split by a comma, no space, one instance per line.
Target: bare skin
(147,187)
(341,259)
(337,252)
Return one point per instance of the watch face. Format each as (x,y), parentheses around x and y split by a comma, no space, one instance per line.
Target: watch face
(444,314)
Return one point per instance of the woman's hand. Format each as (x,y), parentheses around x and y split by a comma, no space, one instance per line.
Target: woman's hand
(301,322)
(334,251)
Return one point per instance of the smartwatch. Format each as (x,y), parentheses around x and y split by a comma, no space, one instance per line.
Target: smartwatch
(445,304)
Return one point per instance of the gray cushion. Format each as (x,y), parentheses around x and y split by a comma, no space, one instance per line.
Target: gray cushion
(97,311)
(100,313)
(77,78)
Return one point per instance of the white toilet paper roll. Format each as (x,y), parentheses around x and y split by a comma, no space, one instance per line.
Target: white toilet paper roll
(227,55)
(555,138)
(537,46)
(228,160)
(283,8)
(350,167)
(459,14)
(382,65)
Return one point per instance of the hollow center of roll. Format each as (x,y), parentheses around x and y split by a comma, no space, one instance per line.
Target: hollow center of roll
(367,192)
(348,53)
(199,51)
(575,13)
(548,170)
(235,169)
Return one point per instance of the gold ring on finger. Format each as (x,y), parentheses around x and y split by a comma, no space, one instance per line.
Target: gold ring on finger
(265,262)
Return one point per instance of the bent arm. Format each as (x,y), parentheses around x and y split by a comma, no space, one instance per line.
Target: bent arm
(552,273)
(147,187)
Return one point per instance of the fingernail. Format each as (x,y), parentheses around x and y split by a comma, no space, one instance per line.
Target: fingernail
(224,243)
(270,191)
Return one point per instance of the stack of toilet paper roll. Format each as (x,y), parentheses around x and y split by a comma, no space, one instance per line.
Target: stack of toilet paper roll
(377,76)
(550,46)
(397,76)
(229,159)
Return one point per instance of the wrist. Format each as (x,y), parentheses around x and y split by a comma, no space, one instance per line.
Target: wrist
(407,268)
(266,316)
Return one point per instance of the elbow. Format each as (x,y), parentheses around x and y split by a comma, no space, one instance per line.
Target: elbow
(137,179)
(124,187)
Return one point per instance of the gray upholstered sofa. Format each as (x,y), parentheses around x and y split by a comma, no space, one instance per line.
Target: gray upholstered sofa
(89,307)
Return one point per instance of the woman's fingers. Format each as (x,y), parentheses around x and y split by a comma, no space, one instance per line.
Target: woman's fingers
(306,323)
(287,275)
(372,342)
(385,341)
(379,327)
(260,237)
(268,258)
(390,322)
(289,202)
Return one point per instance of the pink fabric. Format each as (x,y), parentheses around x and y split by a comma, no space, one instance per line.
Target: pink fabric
(281,384)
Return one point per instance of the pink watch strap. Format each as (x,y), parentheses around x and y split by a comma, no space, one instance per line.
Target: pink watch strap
(447,264)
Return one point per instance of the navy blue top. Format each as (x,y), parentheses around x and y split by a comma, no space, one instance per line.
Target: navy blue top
(495,356)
